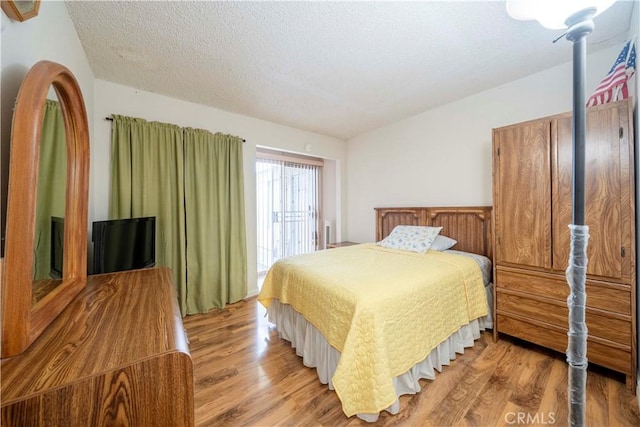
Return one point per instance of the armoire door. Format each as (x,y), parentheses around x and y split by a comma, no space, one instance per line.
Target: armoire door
(607,192)
(522,194)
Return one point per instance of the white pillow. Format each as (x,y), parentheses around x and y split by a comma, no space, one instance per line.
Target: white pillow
(442,243)
(410,238)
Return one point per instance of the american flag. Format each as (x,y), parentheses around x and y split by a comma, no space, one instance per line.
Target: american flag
(614,85)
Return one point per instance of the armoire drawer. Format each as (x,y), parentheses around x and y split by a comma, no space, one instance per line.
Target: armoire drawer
(606,296)
(600,324)
(555,338)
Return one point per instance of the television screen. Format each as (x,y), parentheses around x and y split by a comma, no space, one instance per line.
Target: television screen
(124,244)
(57,241)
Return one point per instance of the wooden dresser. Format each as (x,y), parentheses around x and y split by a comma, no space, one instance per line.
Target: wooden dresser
(117,355)
(532,193)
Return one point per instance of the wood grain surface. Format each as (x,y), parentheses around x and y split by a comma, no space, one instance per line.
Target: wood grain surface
(118,355)
(522,194)
(532,214)
(245,375)
(471,226)
(22,321)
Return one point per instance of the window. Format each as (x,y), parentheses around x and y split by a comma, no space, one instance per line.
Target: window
(288,207)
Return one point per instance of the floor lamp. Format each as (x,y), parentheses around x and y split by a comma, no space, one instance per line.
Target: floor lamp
(577,17)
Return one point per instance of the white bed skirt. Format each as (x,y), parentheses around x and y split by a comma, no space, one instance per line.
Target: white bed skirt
(316,352)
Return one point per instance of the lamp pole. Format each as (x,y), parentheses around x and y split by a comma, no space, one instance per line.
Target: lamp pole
(580,26)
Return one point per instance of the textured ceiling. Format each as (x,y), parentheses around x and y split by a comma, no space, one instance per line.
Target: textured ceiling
(336,68)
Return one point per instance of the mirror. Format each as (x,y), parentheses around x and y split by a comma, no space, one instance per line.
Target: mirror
(22,321)
(21,10)
(48,239)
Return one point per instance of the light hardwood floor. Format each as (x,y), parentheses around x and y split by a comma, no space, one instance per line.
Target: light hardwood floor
(246,376)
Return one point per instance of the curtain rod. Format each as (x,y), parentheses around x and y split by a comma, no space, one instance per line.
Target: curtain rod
(111,119)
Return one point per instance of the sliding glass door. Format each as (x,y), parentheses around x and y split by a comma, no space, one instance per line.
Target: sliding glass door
(288,208)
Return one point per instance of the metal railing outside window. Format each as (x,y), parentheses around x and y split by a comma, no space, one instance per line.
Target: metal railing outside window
(288,209)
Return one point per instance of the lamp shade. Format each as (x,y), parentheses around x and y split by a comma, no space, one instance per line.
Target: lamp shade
(552,14)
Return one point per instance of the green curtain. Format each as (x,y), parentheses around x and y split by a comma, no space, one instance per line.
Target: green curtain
(214,203)
(192,181)
(147,179)
(52,178)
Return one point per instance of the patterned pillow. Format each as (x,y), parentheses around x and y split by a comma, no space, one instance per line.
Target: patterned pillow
(442,243)
(410,238)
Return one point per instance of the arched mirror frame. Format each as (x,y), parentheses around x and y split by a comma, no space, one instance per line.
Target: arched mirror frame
(22,321)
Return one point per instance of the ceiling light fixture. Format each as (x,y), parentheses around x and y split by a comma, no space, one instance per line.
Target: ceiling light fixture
(553,14)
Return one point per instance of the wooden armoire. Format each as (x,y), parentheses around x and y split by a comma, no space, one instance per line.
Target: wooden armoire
(532,194)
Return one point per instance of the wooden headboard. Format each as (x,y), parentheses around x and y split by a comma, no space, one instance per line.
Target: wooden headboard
(470,226)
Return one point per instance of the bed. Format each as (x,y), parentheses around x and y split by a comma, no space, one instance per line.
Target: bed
(374,320)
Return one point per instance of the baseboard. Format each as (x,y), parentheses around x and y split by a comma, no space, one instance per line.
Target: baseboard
(252,293)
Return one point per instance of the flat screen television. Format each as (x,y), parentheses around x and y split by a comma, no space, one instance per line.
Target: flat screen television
(124,244)
(57,243)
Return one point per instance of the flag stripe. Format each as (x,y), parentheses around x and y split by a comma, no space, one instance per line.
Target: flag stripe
(613,86)
(617,74)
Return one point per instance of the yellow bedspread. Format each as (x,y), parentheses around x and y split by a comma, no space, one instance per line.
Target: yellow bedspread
(383,309)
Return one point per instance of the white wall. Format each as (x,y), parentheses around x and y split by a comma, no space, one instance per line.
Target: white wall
(442,157)
(52,36)
(111,98)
